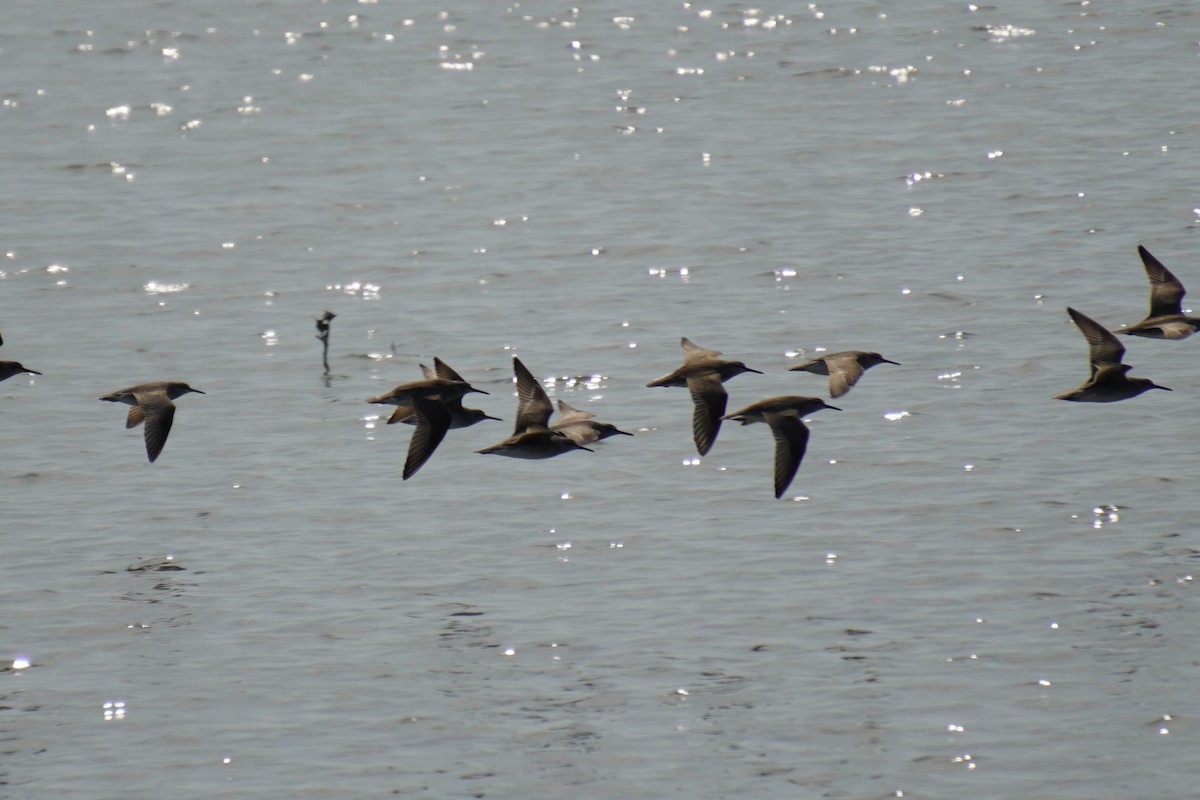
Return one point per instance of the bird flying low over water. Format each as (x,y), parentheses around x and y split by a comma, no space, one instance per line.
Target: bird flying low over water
(844,368)
(10,368)
(1109,381)
(785,415)
(533,437)
(580,426)
(432,401)
(460,417)
(703,373)
(1166,319)
(534,408)
(152,407)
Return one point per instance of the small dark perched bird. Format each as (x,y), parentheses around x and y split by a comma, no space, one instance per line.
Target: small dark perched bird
(431,400)
(152,406)
(1166,319)
(844,368)
(703,373)
(1109,381)
(785,415)
(324,324)
(10,368)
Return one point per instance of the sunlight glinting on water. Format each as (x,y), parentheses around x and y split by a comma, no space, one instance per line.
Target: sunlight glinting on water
(113,710)
(1005,33)
(154,287)
(359,289)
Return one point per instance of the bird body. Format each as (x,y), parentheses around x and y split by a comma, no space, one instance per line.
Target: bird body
(580,427)
(785,415)
(703,373)
(1166,319)
(1109,381)
(432,402)
(460,417)
(844,368)
(535,442)
(151,406)
(442,389)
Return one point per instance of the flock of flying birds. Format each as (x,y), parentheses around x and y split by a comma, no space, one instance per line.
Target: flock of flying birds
(1109,380)
(434,404)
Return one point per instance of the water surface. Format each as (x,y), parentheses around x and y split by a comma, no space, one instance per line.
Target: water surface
(969,590)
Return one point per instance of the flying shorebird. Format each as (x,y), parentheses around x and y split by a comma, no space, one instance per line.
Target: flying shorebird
(460,417)
(703,373)
(1109,381)
(533,408)
(580,426)
(533,437)
(844,368)
(151,405)
(785,415)
(10,368)
(431,400)
(1166,319)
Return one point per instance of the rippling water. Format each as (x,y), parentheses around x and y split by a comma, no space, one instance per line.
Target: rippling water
(969,590)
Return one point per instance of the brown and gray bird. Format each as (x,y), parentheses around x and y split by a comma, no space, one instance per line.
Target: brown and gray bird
(152,406)
(844,368)
(534,408)
(703,373)
(1166,319)
(785,415)
(10,368)
(581,427)
(1109,381)
(460,417)
(431,401)
(533,438)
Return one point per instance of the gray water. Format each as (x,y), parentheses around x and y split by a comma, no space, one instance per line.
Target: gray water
(970,590)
